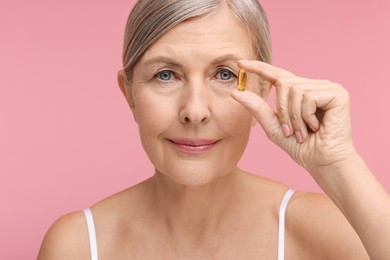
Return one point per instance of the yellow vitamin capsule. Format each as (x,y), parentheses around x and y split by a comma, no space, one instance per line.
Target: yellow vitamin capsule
(241,80)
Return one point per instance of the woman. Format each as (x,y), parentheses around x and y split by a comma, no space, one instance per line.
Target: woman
(181,60)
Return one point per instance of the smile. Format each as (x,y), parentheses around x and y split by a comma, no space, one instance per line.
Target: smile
(194,146)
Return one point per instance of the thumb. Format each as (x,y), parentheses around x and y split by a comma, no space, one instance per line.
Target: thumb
(263,113)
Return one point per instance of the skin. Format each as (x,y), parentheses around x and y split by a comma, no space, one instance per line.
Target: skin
(201,206)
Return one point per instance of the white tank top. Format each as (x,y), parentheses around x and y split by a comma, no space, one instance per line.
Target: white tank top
(282,215)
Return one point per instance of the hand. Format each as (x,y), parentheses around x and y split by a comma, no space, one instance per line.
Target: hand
(312,121)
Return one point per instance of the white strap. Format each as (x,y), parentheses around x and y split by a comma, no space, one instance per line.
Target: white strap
(282,217)
(92,234)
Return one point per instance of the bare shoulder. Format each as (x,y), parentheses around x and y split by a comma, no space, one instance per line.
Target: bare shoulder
(67,238)
(317,228)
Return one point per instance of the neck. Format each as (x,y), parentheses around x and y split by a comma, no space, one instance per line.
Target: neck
(194,211)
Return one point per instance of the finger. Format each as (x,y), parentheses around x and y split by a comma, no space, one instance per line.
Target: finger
(283,81)
(263,113)
(303,113)
(331,97)
(302,106)
(317,105)
(264,70)
(324,96)
(295,113)
(283,86)
(309,109)
(282,109)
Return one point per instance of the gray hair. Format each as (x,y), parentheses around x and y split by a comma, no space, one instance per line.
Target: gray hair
(150,19)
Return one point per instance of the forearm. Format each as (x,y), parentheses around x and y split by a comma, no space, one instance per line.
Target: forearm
(363,201)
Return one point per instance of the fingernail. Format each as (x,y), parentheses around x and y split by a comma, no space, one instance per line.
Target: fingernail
(312,128)
(286,130)
(298,136)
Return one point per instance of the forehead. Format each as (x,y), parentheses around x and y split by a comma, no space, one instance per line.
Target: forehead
(217,32)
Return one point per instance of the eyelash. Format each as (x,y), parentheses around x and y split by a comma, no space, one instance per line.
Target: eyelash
(219,71)
(158,74)
(233,75)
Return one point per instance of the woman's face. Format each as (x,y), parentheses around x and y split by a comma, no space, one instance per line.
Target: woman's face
(190,127)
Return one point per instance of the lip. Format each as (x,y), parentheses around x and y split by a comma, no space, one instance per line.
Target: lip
(193,146)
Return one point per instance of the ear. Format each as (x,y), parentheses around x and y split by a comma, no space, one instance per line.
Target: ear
(127,90)
(254,121)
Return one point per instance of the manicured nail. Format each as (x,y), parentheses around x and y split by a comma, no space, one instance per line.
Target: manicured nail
(286,130)
(298,136)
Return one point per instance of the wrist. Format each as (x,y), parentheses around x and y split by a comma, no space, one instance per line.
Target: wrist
(345,179)
(337,163)
(340,173)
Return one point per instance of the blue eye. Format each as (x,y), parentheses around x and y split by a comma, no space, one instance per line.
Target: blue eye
(164,75)
(225,74)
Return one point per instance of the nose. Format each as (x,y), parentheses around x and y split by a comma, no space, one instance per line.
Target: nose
(195,104)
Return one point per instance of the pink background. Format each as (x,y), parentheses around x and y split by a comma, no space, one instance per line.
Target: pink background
(68,139)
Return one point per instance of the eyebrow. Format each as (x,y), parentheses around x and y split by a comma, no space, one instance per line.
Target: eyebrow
(224,58)
(162,59)
(169,61)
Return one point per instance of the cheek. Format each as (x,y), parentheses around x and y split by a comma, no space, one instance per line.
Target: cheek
(153,112)
(234,119)
(157,113)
